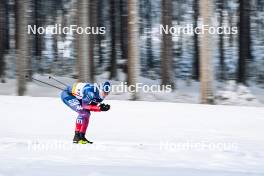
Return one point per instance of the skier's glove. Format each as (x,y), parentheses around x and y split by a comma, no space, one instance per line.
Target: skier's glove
(104,107)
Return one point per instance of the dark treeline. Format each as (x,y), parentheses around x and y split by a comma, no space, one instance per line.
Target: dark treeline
(132,46)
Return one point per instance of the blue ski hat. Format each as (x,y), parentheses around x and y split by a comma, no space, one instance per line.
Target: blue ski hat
(106,87)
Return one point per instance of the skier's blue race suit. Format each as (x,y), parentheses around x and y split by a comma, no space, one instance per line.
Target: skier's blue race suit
(82,98)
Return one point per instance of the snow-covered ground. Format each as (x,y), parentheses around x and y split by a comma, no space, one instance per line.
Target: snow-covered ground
(133,138)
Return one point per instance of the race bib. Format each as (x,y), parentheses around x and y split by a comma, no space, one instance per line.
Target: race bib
(77,90)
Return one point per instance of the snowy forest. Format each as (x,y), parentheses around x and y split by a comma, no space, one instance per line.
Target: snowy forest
(212,69)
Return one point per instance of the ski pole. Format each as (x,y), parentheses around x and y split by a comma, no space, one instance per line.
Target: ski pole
(43,82)
(51,77)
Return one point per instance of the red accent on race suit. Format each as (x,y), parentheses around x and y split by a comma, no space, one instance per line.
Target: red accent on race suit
(82,124)
(92,108)
(78,126)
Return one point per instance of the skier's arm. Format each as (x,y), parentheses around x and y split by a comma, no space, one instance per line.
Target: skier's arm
(87,103)
(96,108)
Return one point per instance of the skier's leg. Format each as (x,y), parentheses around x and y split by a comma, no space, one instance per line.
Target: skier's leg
(78,124)
(83,118)
(83,128)
(84,124)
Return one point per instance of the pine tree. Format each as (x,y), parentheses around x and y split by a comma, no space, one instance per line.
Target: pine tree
(133,53)
(38,18)
(100,22)
(196,57)
(221,42)
(167,76)
(149,55)
(113,62)
(92,46)
(206,55)
(123,33)
(244,40)
(83,60)
(21,44)
(2,38)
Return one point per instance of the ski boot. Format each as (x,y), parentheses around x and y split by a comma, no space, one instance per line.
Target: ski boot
(83,140)
(76,137)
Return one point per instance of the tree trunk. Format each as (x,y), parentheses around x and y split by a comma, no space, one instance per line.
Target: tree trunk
(21,44)
(38,37)
(83,42)
(3,24)
(113,66)
(133,53)
(221,42)
(149,54)
(206,55)
(74,13)
(244,40)
(100,38)
(7,32)
(123,34)
(167,75)
(196,71)
(92,45)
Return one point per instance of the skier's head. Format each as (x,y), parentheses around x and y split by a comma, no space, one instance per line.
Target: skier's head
(105,89)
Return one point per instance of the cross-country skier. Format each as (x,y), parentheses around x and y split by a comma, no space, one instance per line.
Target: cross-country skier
(84,98)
